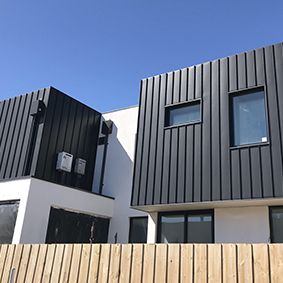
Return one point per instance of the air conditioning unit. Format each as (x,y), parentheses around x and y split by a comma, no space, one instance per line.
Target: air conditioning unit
(64,161)
(80,165)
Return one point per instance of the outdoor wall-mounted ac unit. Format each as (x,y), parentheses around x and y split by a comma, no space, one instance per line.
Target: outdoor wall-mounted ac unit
(64,161)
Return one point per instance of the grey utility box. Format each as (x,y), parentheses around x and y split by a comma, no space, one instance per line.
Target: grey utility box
(80,165)
(64,161)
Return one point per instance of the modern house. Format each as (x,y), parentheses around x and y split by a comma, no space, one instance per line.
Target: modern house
(209,154)
(199,160)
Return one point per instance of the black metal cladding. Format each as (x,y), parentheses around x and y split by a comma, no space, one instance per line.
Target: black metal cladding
(194,163)
(28,148)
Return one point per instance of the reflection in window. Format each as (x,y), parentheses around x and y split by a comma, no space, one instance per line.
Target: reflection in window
(172,229)
(248,123)
(276,224)
(138,230)
(182,114)
(187,227)
(8,217)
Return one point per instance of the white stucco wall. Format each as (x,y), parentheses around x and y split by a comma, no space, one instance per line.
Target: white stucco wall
(119,170)
(242,225)
(16,190)
(43,195)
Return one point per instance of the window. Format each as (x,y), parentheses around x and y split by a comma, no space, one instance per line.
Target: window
(276,224)
(248,120)
(8,216)
(185,113)
(186,227)
(138,230)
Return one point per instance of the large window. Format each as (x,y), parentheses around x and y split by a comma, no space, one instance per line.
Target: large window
(276,224)
(248,119)
(186,227)
(184,113)
(8,217)
(138,230)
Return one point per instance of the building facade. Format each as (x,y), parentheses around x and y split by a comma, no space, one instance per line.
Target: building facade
(199,160)
(208,164)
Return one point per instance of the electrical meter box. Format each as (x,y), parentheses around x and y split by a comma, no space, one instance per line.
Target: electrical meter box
(80,165)
(64,161)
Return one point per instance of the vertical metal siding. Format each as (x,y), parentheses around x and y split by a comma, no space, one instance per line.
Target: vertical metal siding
(68,125)
(194,163)
(15,130)
(72,127)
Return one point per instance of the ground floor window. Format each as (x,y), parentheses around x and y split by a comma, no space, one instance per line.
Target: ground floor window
(8,217)
(138,230)
(276,224)
(72,227)
(186,227)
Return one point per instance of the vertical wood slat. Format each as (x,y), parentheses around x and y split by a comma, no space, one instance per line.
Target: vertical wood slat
(8,263)
(276,262)
(103,272)
(229,263)
(126,259)
(114,268)
(173,263)
(160,263)
(186,264)
(214,259)
(94,263)
(200,263)
(261,263)
(245,265)
(148,266)
(136,267)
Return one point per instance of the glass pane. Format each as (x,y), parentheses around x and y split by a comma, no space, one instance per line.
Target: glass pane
(138,230)
(277,225)
(249,118)
(8,216)
(200,228)
(172,229)
(184,114)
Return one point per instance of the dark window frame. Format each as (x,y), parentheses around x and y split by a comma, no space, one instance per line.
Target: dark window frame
(130,224)
(197,101)
(241,92)
(186,213)
(270,208)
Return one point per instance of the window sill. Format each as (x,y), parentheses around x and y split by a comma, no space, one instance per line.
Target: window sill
(249,145)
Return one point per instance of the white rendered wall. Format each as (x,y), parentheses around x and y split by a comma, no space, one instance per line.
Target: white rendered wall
(16,190)
(43,195)
(119,170)
(242,225)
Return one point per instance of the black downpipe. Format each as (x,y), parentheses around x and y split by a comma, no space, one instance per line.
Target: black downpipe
(103,163)
(106,130)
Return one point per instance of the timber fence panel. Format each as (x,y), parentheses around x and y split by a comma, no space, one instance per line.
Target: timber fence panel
(141,263)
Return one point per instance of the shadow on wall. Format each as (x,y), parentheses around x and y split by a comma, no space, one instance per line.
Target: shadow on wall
(118,168)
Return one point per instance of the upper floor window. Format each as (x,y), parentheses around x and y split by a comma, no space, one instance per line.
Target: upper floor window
(184,113)
(248,119)
(138,230)
(276,224)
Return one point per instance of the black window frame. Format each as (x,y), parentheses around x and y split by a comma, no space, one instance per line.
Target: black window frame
(131,226)
(270,208)
(169,107)
(242,92)
(186,213)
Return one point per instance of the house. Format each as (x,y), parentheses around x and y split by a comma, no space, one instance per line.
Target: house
(208,164)
(48,147)
(199,160)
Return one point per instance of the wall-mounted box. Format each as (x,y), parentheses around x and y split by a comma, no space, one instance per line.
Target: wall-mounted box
(80,165)
(64,161)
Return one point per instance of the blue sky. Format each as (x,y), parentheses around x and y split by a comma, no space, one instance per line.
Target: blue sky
(98,51)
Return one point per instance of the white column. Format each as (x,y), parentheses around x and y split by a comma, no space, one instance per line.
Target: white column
(152,227)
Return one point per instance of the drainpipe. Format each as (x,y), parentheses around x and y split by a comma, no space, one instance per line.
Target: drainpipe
(106,130)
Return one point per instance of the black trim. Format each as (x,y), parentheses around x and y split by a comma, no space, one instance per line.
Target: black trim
(174,106)
(243,92)
(185,213)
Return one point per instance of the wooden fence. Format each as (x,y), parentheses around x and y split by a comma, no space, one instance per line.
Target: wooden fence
(141,263)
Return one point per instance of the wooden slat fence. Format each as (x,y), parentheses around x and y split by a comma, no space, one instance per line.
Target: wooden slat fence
(141,263)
